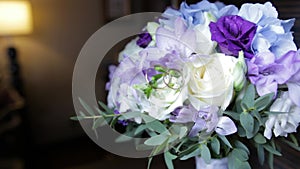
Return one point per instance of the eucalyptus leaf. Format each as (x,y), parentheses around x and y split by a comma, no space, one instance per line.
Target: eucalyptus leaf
(232,114)
(248,99)
(130,115)
(146,118)
(256,114)
(215,145)
(106,109)
(261,154)
(271,160)
(157,126)
(291,144)
(272,150)
(139,129)
(194,153)
(77,118)
(239,144)
(263,102)
(247,122)
(205,153)
(260,139)
(183,132)
(98,123)
(168,159)
(240,154)
(294,139)
(156,140)
(225,141)
(86,107)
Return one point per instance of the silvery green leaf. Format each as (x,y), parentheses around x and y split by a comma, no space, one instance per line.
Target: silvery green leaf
(241,145)
(256,114)
(248,99)
(130,115)
(247,122)
(168,159)
(294,139)
(77,118)
(225,141)
(261,154)
(194,153)
(86,107)
(240,154)
(139,129)
(146,118)
(183,132)
(157,126)
(241,131)
(106,109)
(98,122)
(271,160)
(215,145)
(123,138)
(291,144)
(205,153)
(272,150)
(232,114)
(156,140)
(260,139)
(263,102)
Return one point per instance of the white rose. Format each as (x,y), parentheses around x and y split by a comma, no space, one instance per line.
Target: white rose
(284,123)
(211,80)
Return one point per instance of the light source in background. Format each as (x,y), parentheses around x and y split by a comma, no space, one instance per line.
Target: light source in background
(15,19)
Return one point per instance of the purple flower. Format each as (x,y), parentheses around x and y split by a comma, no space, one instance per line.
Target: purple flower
(233,34)
(144,40)
(266,73)
(292,60)
(206,120)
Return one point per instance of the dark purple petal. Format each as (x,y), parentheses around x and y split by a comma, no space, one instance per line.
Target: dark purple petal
(233,34)
(144,40)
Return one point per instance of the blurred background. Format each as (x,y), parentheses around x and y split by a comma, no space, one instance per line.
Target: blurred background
(36,66)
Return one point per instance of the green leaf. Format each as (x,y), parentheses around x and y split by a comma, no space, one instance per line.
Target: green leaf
(234,162)
(232,114)
(256,114)
(139,129)
(146,118)
(189,150)
(194,153)
(205,153)
(168,159)
(225,141)
(98,122)
(241,145)
(248,99)
(183,132)
(272,150)
(291,144)
(86,107)
(271,160)
(263,102)
(156,140)
(260,139)
(240,154)
(247,123)
(149,162)
(123,138)
(241,131)
(215,145)
(106,109)
(130,115)
(261,154)
(157,126)
(294,139)
(77,118)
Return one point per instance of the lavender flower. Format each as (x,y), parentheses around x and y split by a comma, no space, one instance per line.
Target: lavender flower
(233,34)
(266,73)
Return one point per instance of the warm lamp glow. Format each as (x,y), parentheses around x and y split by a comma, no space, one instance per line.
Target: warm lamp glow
(15,17)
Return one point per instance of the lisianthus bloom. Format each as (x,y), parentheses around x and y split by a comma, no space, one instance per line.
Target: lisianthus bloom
(233,34)
(273,35)
(206,120)
(287,119)
(211,80)
(266,72)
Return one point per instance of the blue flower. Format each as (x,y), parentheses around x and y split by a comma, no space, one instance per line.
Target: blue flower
(272,35)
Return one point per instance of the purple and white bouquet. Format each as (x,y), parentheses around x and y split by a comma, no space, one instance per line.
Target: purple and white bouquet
(214,79)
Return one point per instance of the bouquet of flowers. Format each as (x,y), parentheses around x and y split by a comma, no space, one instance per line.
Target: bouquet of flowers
(208,80)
